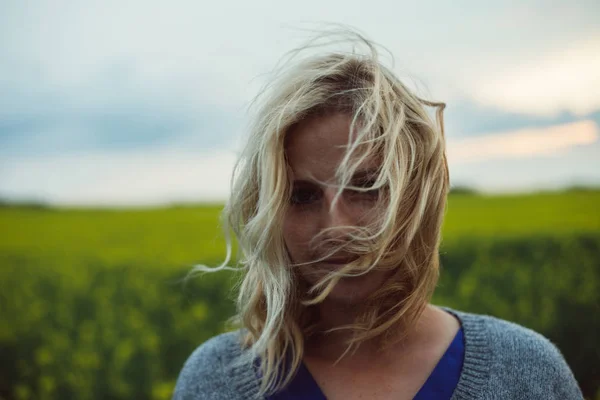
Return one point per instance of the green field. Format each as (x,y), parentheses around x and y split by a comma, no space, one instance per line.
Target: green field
(92,306)
(553,213)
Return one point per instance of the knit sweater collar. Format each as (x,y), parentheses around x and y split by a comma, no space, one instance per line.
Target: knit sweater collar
(476,366)
(474,374)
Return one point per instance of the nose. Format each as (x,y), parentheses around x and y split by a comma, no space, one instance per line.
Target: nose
(339,216)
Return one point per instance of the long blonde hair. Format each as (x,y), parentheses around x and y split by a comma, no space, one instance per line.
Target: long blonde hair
(274,305)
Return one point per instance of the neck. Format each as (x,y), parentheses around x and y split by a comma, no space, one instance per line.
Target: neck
(330,346)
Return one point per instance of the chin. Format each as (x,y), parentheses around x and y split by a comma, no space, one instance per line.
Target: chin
(353,290)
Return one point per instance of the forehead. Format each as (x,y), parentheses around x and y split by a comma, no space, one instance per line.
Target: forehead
(316,146)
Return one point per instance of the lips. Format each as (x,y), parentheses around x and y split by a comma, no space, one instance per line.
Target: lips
(339,260)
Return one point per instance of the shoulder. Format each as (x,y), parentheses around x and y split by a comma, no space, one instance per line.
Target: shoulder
(520,359)
(515,344)
(210,369)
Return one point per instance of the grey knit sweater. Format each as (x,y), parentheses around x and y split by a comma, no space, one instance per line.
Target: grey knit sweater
(502,361)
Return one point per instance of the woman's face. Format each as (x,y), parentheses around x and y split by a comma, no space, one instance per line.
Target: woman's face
(314,149)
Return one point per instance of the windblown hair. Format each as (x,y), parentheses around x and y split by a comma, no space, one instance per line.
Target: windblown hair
(275,306)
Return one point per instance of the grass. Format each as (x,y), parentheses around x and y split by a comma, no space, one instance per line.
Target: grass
(90,307)
(553,213)
(186,235)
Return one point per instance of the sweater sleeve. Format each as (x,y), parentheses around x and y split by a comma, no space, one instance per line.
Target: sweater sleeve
(565,385)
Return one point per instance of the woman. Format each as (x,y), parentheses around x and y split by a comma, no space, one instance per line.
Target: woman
(337,205)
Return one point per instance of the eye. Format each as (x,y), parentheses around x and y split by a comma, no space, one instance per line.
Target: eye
(304,196)
(363,183)
(369,195)
(364,194)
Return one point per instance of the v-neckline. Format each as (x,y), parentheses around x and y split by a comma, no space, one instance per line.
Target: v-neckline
(474,377)
(458,341)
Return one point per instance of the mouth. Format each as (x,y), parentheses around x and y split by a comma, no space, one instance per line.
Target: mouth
(339,260)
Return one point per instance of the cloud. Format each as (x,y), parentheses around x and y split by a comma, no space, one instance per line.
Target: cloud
(70,131)
(146,177)
(96,96)
(577,165)
(468,119)
(189,54)
(517,160)
(563,79)
(523,143)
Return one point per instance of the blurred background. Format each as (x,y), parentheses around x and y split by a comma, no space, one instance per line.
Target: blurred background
(119,126)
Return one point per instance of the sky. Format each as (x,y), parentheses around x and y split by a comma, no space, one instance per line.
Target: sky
(124,103)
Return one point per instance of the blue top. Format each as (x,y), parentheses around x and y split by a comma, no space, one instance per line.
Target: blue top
(439,385)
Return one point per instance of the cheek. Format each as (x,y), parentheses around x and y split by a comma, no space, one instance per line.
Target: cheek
(298,230)
(368,214)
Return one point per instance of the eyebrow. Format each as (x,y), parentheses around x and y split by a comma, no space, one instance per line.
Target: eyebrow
(365,174)
(359,176)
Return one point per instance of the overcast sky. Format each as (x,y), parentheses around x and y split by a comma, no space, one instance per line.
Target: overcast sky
(143,102)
